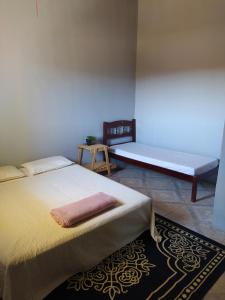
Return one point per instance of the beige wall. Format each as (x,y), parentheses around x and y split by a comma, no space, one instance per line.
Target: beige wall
(180,87)
(63,73)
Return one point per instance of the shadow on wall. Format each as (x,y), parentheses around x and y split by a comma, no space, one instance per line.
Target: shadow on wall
(185,51)
(91,37)
(180,36)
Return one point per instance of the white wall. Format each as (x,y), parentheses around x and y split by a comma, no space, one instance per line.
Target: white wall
(219,202)
(180,87)
(63,73)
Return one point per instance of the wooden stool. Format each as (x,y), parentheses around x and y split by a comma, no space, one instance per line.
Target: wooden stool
(99,166)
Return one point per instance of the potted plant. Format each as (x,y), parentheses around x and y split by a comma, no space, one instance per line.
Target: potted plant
(90,140)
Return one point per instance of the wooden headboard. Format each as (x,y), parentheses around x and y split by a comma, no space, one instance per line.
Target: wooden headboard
(119,129)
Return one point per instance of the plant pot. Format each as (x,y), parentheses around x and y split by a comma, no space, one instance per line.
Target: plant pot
(91,141)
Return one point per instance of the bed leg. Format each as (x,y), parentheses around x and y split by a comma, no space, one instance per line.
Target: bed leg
(194,188)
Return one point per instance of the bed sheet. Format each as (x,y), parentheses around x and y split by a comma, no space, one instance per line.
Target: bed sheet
(36,254)
(190,164)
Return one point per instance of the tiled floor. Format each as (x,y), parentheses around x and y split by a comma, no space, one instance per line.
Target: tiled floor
(171,198)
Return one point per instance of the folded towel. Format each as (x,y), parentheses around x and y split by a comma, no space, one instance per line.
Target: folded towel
(75,212)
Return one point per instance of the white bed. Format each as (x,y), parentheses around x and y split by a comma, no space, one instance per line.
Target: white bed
(178,164)
(36,254)
(190,164)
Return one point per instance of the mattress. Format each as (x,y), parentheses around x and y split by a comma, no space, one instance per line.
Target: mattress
(36,254)
(189,164)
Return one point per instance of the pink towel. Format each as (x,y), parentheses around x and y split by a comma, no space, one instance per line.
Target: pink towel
(75,212)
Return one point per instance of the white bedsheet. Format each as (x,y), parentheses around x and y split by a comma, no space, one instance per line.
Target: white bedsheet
(190,164)
(36,254)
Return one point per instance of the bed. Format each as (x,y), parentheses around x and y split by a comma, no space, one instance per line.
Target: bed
(182,165)
(36,254)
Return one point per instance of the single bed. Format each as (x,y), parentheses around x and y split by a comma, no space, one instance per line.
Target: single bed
(179,164)
(36,254)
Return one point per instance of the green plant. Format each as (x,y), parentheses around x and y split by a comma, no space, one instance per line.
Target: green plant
(90,140)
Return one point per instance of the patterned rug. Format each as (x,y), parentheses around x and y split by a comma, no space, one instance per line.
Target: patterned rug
(184,265)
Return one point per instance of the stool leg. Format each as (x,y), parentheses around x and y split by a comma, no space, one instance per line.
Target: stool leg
(79,156)
(107,162)
(93,159)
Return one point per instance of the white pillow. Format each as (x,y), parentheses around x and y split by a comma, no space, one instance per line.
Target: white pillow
(45,164)
(9,173)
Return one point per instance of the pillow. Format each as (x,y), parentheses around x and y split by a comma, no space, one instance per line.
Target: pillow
(9,173)
(45,164)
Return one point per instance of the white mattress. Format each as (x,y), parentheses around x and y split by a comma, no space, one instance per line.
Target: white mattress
(190,164)
(36,254)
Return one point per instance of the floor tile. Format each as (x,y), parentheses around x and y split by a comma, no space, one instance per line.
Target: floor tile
(203,214)
(165,195)
(208,230)
(132,182)
(160,183)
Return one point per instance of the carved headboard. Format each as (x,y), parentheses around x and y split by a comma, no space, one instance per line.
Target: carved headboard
(119,129)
